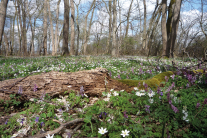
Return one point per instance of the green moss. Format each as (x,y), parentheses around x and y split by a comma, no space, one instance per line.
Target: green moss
(198,70)
(152,83)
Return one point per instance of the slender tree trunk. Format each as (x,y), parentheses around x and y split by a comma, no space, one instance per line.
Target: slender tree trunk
(24,27)
(3,7)
(77,18)
(120,29)
(51,28)
(72,34)
(65,50)
(114,45)
(110,29)
(144,42)
(56,29)
(86,34)
(163,27)
(33,34)
(45,29)
(128,16)
(6,43)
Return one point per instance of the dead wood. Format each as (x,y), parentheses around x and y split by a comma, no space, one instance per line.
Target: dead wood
(76,121)
(56,83)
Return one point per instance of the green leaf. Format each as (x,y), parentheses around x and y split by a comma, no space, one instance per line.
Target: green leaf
(43,115)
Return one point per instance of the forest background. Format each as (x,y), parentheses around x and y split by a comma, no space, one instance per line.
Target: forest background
(103,27)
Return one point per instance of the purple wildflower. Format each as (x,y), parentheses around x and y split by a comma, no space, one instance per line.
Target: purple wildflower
(102,113)
(35,88)
(141,64)
(132,70)
(147,108)
(139,84)
(127,77)
(42,123)
(158,90)
(81,91)
(22,121)
(173,76)
(20,90)
(43,96)
(198,105)
(69,135)
(168,96)
(110,74)
(125,115)
(150,71)
(37,119)
(173,85)
(175,109)
(166,78)
(168,135)
(119,76)
(6,122)
(187,85)
(205,101)
(140,71)
(161,93)
(170,102)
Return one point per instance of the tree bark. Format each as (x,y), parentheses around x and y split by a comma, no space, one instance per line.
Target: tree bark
(56,28)
(51,28)
(3,7)
(128,16)
(163,27)
(175,24)
(45,29)
(65,50)
(114,45)
(144,41)
(72,33)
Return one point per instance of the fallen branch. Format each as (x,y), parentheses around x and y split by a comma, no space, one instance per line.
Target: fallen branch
(62,125)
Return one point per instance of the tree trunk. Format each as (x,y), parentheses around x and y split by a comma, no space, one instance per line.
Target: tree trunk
(7,44)
(128,16)
(175,24)
(110,29)
(51,28)
(3,7)
(86,34)
(56,83)
(163,27)
(144,41)
(45,28)
(65,50)
(77,22)
(56,28)
(72,33)
(114,45)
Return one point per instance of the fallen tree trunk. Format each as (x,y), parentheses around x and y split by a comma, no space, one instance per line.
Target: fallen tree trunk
(56,83)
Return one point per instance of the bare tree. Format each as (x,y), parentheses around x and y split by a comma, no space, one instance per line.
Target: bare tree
(56,29)
(72,33)
(114,45)
(172,25)
(51,28)
(45,28)
(3,7)
(144,41)
(85,27)
(66,28)
(163,27)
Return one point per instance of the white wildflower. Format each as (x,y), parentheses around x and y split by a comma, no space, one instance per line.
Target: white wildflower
(102,130)
(125,133)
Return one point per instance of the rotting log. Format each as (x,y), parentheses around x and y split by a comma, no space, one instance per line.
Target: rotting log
(56,83)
